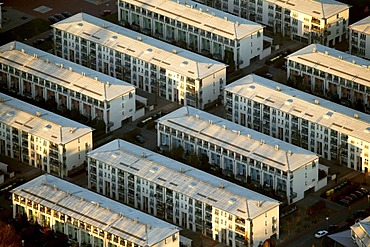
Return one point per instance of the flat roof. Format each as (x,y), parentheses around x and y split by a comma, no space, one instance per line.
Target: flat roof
(302,105)
(47,125)
(147,49)
(202,17)
(96,210)
(63,72)
(334,62)
(362,26)
(362,230)
(321,9)
(184,179)
(239,139)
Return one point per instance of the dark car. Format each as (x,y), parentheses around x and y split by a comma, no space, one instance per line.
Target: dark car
(364,190)
(53,19)
(59,17)
(66,14)
(38,41)
(139,138)
(353,196)
(344,202)
(359,193)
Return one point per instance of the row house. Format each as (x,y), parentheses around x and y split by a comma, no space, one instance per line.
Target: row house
(43,77)
(359,38)
(308,21)
(154,66)
(199,28)
(330,130)
(41,138)
(178,193)
(332,74)
(241,153)
(89,219)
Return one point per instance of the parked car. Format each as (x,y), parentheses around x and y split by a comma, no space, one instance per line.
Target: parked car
(59,17)
(364,190)
(53,19)
(321,234)
(344,202)
(359,193)
(106,12)
(66,14)
(139,138)
(353,196)
(38,41)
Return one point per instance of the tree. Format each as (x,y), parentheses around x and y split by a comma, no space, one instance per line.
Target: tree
(8,236)
(177,152)
(193,159)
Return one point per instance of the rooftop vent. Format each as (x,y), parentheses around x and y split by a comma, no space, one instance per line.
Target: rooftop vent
(210,121)
(249,136)
(139,38)
(289,152)
(225,18)
(196,116)
(317,102)
(353,61)
(250,88)
(232,200)
(149,50)
(143,155)
(22,50)
(61,65)
(367,130)
(182,169)
(326,53)
(192,184)
(278,88)
(288,101)
(221,185)
(276,147)
(259,204)
(105,25)
(114,37)
(153,169)
(224,127)
(262,141)
(70,68)
(356,116)
(79,25)
(38,114)
(174,51)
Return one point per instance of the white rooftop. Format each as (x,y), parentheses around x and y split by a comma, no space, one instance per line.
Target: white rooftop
(362,26)
(148,49)
(202,17)
(47,125)
(321,9)
(362,230)
(237,138)
(302,105)
(184,179)
(96,210)
(334,62)
(63,72)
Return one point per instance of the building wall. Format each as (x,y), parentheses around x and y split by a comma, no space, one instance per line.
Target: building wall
(144,75)
(325,142)
(290,23)
(33,87)
(248,170)
(77,150)
(76,230)
(359,44)
(178,208)
(197,40)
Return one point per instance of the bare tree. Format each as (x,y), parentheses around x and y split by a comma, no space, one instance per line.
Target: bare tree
(8,236)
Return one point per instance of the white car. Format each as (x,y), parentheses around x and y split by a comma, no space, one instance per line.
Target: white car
(321,234)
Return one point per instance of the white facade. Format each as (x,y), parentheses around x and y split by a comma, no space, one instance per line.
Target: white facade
(154,66)
(359,38)
(41,138)
(89,219)
(332,131)
(309,21)
(181,194)
(199,28)
(360,232)
(242,153)
(331,73)
(38,75)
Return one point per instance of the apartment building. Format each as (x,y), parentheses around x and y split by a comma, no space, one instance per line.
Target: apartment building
(41,138)
(154,66)
(38,75)
(242,153)
(181,194)
(360,232)
(199,28)
(359,38)
(308,21)
(89,219)
(330,130)
(332,74)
